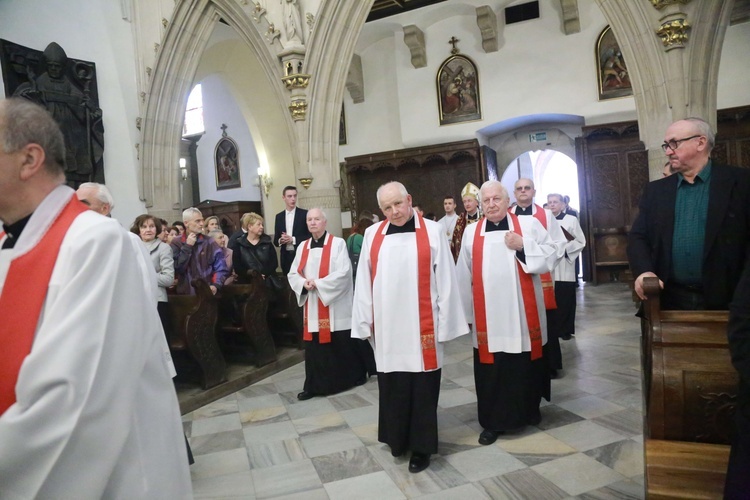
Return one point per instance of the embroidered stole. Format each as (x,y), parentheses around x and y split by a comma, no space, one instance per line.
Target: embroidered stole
(424,274)
(548,284)
(324,314)
(23,297)
(480,305)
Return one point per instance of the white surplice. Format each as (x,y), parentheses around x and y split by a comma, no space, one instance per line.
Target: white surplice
(449,225)
(96,413)
(507,328)
(335,290)
(566,268)
(553,228)
(392,302)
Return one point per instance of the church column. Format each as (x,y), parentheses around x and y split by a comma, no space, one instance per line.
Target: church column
(672,49)
(334,36)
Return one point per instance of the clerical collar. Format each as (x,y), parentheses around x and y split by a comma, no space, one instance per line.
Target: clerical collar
(320,242)
(560,216)
(14,231)
(408,227)
(473,217)
(502,225)
(525,211)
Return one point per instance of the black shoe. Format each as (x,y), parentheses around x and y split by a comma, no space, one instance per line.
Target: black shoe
(566,337)
(396,453)
(488,437)
(553,374)
(304,395)
(418,462)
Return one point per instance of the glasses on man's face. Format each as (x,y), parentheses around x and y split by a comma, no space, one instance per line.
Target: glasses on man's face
(523,188)
(673,144)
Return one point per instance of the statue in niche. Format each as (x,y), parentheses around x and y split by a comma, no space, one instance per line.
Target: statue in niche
(292,23)
(67,89)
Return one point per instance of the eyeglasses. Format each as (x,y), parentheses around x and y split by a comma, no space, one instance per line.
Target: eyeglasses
(673,144)
(523,188)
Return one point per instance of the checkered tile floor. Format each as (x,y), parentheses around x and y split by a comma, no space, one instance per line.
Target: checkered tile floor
(260,442)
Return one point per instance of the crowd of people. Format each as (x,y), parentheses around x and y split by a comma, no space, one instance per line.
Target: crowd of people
(86,366)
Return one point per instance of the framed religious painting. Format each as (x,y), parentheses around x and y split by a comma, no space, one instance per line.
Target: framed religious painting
(458,90)
(226,159)
(612,72)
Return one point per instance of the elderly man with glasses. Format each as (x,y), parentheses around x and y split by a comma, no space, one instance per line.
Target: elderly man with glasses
(693,228)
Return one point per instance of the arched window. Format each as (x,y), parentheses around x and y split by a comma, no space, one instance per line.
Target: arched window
(194,113)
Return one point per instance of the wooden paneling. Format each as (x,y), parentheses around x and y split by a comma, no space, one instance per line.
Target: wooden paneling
(429,173)
(229,213)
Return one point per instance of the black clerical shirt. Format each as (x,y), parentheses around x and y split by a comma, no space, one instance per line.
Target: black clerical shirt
(525,211)
(319,243)
(408,227)
(14,231)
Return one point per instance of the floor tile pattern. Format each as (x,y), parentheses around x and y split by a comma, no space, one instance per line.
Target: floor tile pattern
(261,442)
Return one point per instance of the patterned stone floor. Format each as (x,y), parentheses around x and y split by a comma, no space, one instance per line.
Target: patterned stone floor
(260,442)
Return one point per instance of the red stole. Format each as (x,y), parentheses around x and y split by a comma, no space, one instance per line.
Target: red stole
(548,284)
(424,275)
(22,299)
(480,306)
(324,314)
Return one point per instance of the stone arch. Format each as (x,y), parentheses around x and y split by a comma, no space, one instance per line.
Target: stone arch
(176,64)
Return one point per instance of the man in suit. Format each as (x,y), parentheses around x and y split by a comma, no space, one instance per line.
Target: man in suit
(693,228)
(290,228)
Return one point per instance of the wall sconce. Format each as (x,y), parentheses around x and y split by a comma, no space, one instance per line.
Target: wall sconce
(183,169)
(266,183)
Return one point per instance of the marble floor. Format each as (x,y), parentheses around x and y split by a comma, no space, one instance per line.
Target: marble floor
(260,442)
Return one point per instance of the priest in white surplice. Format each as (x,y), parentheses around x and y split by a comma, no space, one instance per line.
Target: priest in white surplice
(87,405)
(566,281)
(527,210)
(407,304)
(498,275)
(321,277)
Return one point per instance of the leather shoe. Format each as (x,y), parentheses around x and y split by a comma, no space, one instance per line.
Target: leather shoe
(488,437)
(553,374)
(304,395)
(418,462)
(566,337)
(396,453)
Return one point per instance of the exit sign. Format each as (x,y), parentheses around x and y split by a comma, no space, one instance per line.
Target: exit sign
(538,136)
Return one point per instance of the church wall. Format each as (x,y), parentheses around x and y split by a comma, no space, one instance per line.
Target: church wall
(92,31)
(220,108)
(537,70)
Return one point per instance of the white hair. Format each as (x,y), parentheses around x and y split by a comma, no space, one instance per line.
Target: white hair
(401,188)
(190,213)
(493,183)
(322,212)
(101,192)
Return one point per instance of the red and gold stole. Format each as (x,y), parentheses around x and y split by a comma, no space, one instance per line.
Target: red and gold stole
(324,314)
(480,305)
(424,274)
(22,299)
(548,284)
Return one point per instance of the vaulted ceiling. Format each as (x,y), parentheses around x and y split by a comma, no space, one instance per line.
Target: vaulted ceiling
(386,8)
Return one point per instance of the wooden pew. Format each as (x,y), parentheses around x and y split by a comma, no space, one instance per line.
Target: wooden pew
(245,310)
(690,390)
(193,331)
(286,317)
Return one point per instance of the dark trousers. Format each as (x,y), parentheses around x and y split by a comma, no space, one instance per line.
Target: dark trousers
(737,484)
(407,417)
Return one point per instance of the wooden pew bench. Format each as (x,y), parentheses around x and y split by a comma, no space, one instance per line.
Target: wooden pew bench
(243,325)
(193,333)
(690,389)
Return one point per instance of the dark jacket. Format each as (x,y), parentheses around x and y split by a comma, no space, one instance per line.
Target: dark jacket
(204,260)
(260,257)
(299,232)
(727,232)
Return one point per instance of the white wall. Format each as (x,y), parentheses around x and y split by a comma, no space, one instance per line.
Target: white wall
(220,107)
(92,30)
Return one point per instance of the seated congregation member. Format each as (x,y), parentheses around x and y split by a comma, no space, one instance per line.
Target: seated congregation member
(147,227)
(354,242)
(211,224)
(87,406)
(255,252)
(321,278)
(196,256)
(498,280)
(221,239)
